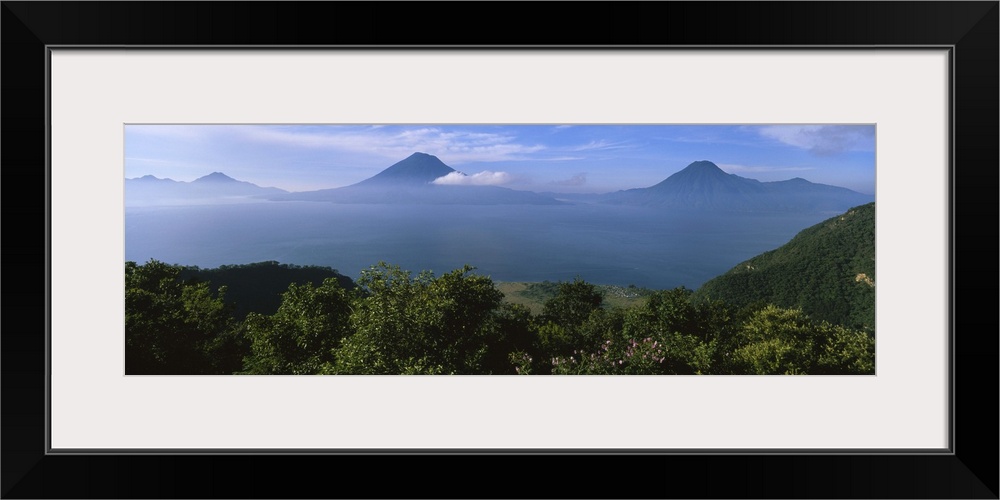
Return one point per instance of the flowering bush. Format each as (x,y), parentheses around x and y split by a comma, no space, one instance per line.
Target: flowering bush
(634,357)
(522,362)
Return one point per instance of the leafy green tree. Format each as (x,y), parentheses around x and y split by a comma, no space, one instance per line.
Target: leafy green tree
(171,326)
(689,333)
(554,339)
(561,323)
(586,350)
(301,337)
(775,340)
(227,350)
(847,352)
(421,325)
(602,325)
(666,335)
(509,330)
(573,303)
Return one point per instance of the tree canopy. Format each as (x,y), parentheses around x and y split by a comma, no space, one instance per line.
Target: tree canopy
(172,326)
(397,322)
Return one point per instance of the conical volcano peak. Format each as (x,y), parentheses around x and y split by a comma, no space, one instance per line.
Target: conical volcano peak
(703,184)
(703,165)
(418,168)
(702,169)
(411,182)
(419,157)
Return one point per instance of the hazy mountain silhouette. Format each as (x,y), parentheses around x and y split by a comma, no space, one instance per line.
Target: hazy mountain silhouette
(216,187)
(702,185)
(218,182)
(410,181)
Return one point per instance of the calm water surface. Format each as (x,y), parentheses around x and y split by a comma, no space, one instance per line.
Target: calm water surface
(601,244)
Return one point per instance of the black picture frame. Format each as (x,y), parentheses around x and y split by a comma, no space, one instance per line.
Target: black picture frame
(969,28)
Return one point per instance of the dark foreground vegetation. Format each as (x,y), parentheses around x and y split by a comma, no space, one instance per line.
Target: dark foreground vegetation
(394,322)
(258,287)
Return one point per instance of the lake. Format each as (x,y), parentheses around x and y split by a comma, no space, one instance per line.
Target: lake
(602,244)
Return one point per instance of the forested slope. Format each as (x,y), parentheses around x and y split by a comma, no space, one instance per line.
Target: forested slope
(827,270)
(258,287)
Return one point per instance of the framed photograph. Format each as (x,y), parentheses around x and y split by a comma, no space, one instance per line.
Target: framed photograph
(207,134)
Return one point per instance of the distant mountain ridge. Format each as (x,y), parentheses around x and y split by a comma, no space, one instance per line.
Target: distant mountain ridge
(702,185)
(214,187)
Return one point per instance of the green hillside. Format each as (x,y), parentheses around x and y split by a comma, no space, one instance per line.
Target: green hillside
(258,287)
(827,270)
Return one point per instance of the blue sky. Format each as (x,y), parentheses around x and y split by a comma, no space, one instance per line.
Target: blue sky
(561,158)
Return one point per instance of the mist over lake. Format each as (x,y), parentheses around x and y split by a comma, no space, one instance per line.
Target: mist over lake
(603,244)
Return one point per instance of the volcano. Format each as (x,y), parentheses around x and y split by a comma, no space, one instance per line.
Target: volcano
(703,186)
(411,181)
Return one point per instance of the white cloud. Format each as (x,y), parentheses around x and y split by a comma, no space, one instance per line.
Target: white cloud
(824,140)
(391,143)
(484,178)
(599,146)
